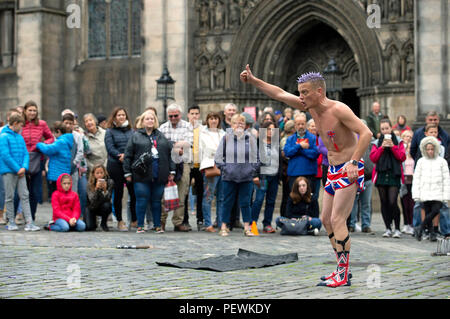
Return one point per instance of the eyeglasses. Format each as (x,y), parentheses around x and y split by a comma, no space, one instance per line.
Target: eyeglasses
(173,116)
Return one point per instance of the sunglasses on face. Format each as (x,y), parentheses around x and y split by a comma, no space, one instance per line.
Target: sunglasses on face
(173,116)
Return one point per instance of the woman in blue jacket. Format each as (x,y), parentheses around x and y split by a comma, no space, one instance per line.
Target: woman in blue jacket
(59,153)
(116,138)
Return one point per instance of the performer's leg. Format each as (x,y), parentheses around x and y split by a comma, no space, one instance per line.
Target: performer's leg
(327,208)
(342,205)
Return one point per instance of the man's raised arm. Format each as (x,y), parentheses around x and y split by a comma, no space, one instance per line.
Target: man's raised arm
(270,90)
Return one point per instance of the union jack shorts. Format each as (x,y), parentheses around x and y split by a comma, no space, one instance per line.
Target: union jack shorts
(337,178)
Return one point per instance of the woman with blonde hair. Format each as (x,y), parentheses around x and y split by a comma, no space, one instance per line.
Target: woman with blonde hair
(148,165)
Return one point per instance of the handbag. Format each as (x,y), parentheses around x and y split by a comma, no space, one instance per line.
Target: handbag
(212,172)
(171,199)
(35,163)
(141,166)
(293,227)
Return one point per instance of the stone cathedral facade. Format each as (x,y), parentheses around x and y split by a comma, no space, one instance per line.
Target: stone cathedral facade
(116,52)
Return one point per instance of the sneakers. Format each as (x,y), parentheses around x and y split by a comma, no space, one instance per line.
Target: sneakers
(31,227)
(387,233)
(268,230)
(140,230)
(367,230)
(12,227)
(410,230)
(397,234)
(159,230)
(316,232)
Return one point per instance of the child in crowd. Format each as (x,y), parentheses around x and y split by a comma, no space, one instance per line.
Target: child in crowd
(430,185)
(99,194)
(432,130)
(14,161)
(66,207)
(59,153)
(300,205)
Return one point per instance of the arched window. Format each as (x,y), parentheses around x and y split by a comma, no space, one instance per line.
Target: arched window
(114,28)
(7,43)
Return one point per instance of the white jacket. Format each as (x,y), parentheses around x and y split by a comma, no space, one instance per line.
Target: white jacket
(431,179)
(208,143)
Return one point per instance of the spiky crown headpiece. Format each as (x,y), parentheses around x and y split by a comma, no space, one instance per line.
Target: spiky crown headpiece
(310,76)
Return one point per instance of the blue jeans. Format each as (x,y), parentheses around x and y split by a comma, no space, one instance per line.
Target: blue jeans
(145,192)
(230,191)
(365,198)
(210,185)
(61,225)
(444,218)
(268,189)
(312,223)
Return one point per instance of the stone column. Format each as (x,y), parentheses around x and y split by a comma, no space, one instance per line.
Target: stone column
(432,56)
(40,55)
(152,51)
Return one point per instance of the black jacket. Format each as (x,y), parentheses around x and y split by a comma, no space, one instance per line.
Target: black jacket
(96,198)
(116,140)
(300,209)
(140,143)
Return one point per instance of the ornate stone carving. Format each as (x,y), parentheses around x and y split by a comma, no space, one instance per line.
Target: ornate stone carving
(409,64)
(235,14)
(204,74)
(393,9)
(203,15)
(219,73)
(394,64)
(218,13)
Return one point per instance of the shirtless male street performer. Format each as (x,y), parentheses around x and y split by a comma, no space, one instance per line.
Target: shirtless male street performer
(337,125)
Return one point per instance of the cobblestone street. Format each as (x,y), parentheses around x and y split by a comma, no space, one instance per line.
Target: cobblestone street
(88,265)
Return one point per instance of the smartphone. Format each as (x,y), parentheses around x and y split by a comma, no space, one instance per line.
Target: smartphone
(387,136)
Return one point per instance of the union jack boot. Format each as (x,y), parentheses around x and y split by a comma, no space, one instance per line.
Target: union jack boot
(325,278)
(341,276)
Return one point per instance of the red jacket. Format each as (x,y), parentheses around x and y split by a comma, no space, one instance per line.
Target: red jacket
(376,152)
(33,134)
(66,205)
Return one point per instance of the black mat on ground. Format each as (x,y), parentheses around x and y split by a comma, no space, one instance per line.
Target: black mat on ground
(244,259)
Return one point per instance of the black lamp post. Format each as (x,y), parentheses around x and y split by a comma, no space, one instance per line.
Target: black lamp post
(165,89)
(333,79)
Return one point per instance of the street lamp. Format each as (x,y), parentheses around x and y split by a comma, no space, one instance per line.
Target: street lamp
(165,89)
(333,79)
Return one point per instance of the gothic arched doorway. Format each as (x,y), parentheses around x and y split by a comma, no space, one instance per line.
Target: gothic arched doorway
(311,53)
(280,40)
